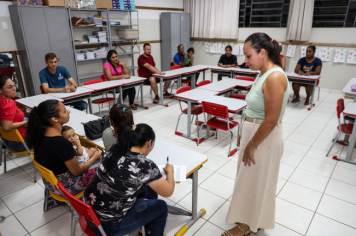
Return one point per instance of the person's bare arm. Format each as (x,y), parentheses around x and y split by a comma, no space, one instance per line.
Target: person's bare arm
(273,91)
(283,62)
(47,89)
(153,69)
(191,62)
(73,84)
(126,70)
(79,147)
(298,69)
(316,72)
(183,63)
(76,169)
(164,187)
(8,125)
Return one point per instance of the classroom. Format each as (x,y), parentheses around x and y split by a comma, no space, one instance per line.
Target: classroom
(177,117)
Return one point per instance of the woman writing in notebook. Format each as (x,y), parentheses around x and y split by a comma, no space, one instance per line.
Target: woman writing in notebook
(261,142)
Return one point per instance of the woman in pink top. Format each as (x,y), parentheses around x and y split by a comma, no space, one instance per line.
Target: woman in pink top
(114,70)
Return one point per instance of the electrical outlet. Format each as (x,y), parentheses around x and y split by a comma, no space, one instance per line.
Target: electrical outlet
(4,25)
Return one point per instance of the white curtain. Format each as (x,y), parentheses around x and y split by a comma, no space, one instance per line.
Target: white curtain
(300,20)
(213,18)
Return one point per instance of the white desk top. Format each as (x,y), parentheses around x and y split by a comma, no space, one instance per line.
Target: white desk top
(132,80)
(103,85)
(33,101)
(80,91)
(199,67)
(249,71)
(350,109)
(76,123)
(177,156)
(238,82)
(220,68)
(233,105)
(196,94)
(347,88)
(74,112)
(307,77)
(182,71)
(218,86)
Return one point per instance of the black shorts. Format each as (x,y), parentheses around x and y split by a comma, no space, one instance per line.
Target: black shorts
(148,80)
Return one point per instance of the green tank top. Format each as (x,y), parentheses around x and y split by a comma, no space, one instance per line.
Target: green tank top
(255,99)
(187,60)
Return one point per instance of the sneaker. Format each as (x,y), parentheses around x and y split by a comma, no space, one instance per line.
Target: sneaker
(168,95)
(156,99)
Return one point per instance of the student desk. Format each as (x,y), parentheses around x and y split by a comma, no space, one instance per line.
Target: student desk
(243,72)
(102,87)
(76,123)
(350,110)
(304,79)
(181,156)
(80,94)
(131,83)
(192,71)
(34,101)
(238,83)
(74,112)
(190,96)
(347,89)
(220,87)
(231,71)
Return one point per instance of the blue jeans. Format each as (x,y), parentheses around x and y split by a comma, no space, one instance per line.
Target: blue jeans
(80,105)
(151,213)
(17,146)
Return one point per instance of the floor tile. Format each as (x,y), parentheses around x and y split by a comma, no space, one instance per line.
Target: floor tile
(213,185)
(280,184)
(319,119)
(307,131)
(228,170)
(16,182)
(24,162)
(341,190)
(285,171)
(175,223)
(292,120)
(289,127)
(309,179)
(297,148)
(344,175)
(322,225)
(300,138)
(326,145)
(11,226)
(301,196)
(4,210)
(346,165)
(292,216)
(214,162)
(11,169)
(338,210)
(220,216)
(291,158)
(316,166)
(208,229)
(312,124)
(328,135)
(180,191)
(278,230)
(320,154)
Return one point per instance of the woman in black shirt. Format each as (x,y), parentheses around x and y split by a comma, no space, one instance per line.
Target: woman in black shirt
(125,172)
(56,153)
(227,60)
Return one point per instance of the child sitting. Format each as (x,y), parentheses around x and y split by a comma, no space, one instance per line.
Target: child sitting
(83,153)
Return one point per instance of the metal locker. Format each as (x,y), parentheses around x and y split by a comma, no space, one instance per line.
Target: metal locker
(185,30)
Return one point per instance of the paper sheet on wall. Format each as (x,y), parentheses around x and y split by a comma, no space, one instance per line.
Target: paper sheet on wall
(351,57)
(207,47)
(213,47)
(291,50)
(235,49)
(303,51)
(241,45)
(340,56)
(221,48)
(318,52)
(180,173)
(326,54)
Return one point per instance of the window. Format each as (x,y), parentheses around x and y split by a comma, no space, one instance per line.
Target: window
(264,13)
(334,13)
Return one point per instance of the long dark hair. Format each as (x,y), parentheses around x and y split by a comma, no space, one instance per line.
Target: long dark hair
(125,141)
(120,116)
(3,79)
(263,41)
(108,58)
(39,119)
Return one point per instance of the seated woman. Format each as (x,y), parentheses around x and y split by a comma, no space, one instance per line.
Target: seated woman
(55,152)
(309,65)
(114,70)
(123,175)
(10,115)
(188,61)
(227,60)
(283,59)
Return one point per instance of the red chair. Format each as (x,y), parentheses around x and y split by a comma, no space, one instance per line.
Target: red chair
(171,64)
(241,96)
(100,100)
(42,92)
(102,77)
(343,128)
(184,81)
(138,74)
(204,82)
(220,120)
(195,111)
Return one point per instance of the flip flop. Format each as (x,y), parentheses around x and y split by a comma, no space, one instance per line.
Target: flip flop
(295,101)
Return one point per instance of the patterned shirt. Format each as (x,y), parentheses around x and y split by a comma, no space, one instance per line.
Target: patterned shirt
(112,193)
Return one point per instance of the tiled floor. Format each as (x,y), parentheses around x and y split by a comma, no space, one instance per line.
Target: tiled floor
(316,195)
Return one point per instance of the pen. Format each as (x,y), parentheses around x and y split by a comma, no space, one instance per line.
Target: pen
(167,160)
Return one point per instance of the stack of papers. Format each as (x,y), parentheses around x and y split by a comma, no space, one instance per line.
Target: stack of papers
(102,38)
(80,56)
(179,173)
(93,40)
(90,54)
(101,52)
(98,21)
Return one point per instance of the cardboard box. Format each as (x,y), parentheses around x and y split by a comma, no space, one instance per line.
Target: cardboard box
(28,2)
(53,3)
(104,4)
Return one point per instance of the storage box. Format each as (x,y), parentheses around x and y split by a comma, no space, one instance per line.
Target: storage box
(127,33)
(28,2)
(71,3)
(53,3)
(104,4)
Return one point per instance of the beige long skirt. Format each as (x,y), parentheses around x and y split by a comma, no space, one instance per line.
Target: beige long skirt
(254,198)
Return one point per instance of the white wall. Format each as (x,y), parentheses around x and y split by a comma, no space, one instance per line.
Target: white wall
(334,75)
(7,38)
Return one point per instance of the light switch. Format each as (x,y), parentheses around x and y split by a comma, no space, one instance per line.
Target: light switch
(4,25)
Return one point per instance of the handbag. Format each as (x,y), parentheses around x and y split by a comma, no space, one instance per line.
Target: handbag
(94,129)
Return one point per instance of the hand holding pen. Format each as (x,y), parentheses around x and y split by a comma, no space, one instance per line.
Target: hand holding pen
(169,168)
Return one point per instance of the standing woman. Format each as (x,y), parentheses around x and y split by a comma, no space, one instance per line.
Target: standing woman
(227,60)
(261,142)
(115,70)
(309,65)
(283,58)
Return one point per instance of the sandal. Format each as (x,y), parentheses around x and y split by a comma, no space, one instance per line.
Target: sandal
(295,100)
(246,233)
(133,107)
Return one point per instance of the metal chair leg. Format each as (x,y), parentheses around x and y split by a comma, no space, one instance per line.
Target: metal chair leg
(335,139)
(4,161)
(34,172)
(318,92)
(143,231)
(73,219)
(46,199)
(99,110)
(178,121)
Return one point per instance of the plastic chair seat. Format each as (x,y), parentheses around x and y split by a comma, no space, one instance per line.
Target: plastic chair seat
(103,100)
(85,227)
(186,81)
(19,153)
(221,123)
(62,199)
(238,96)
(195,110)
(346,128)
